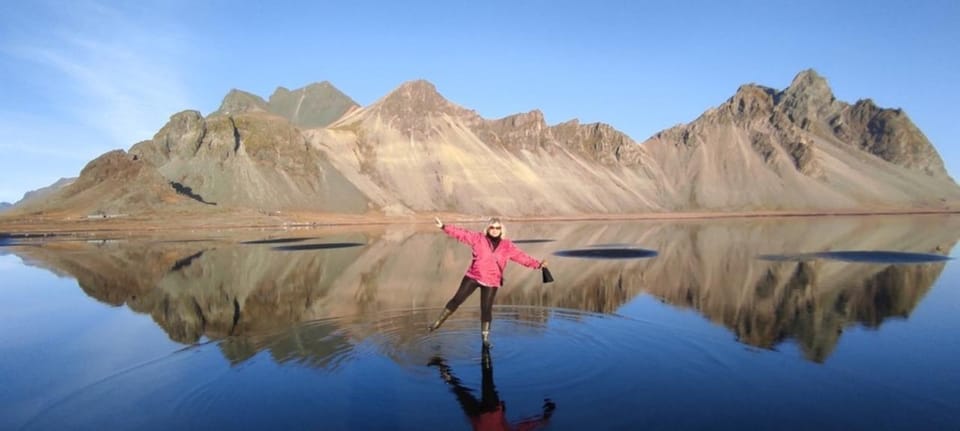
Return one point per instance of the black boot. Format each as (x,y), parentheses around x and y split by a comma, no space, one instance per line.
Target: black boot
(485,334)
(443,317)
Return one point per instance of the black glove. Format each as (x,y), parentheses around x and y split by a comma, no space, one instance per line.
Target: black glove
(547,276)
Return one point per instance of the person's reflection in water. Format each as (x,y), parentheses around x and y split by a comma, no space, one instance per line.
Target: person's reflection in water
(489,412)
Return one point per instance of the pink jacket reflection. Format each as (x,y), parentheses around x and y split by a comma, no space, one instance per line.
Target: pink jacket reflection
(497,421)
(488,413)
(488,262)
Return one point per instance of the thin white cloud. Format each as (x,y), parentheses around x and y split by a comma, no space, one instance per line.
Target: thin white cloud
(89,77)
(121,75)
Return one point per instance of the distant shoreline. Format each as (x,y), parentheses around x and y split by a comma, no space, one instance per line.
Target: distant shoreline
(193,224)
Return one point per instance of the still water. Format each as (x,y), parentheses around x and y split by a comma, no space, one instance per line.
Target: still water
(828,323)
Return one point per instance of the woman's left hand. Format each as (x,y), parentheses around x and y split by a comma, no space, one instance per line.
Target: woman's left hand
(543,263)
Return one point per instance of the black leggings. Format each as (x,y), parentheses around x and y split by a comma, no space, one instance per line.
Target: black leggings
(467,286)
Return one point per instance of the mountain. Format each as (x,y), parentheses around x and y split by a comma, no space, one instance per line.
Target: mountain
(316,105)
(5,206)
(41,193)
(239,101)
(248,160)
(113,184)
(416,151)
(799,148)
(313,149)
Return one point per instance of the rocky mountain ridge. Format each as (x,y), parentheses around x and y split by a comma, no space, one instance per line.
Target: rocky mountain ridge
(314,149)
(316,105)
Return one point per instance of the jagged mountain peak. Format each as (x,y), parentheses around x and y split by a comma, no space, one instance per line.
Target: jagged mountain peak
(810,84)
(533,117)
(750,100)
(236,92)
(417,85)
(410,103)
(867,104)
(322,85)
(418,93)
(241,101)
(809,98)
(525,130)
(316,105)
(322,88)
(191,114)
(809,78)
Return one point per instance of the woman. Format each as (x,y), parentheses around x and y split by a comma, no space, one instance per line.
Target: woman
(491,251)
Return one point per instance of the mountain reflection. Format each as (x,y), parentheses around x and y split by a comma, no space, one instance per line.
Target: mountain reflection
(317,344)
(245,289)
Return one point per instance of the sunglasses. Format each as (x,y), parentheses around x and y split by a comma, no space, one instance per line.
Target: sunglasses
(493,227)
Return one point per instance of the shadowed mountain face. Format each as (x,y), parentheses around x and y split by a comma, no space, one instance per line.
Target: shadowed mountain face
(249,160)
(316,105)
(228,288)
(413,151)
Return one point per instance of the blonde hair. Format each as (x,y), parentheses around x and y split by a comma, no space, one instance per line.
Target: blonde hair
(493,221)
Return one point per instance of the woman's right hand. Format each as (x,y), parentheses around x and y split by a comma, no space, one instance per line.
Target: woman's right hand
(439,223)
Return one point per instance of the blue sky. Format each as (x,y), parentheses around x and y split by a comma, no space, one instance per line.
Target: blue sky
(80,78)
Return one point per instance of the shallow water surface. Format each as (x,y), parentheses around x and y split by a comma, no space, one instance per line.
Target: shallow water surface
(720,326)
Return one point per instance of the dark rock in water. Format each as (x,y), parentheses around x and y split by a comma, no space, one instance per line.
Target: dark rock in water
(607,253)
(324,246)
(532,241)
(860,256)
(275,240)
(882,256)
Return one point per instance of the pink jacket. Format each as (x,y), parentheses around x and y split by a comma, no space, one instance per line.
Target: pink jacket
(487,266)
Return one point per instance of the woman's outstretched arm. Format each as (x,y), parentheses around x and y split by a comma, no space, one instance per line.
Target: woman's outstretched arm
(460,234)
(524,259)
